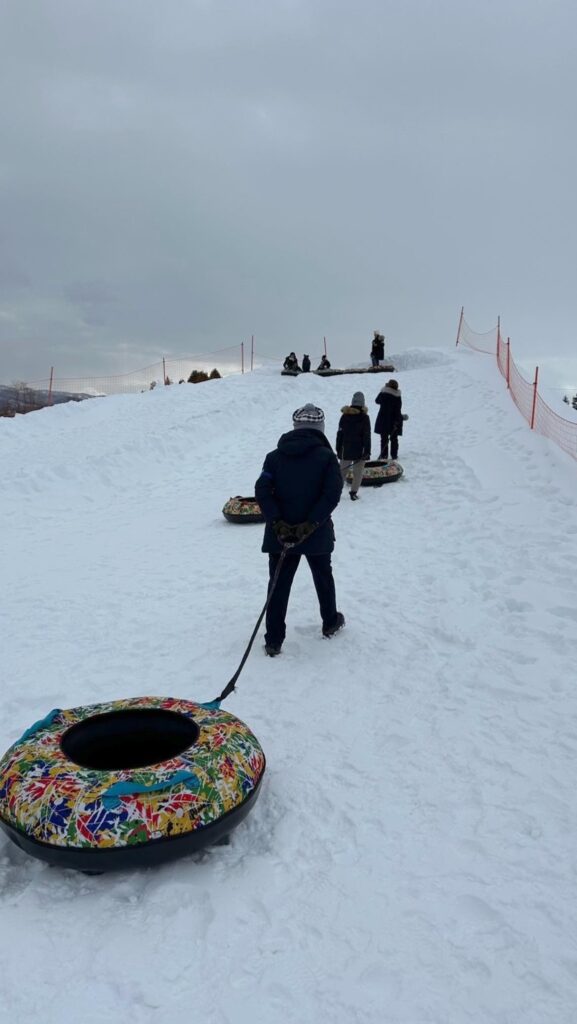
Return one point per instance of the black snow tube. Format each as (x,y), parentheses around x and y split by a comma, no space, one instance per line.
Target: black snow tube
(242,510)
(379,472)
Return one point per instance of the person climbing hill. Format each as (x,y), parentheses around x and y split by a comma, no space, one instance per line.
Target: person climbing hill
(389,421)
(297,490)
(354,440)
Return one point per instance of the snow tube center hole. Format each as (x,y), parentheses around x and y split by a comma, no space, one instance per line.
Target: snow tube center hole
(134,738)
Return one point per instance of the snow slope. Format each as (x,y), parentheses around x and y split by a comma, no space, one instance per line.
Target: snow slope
(412,858)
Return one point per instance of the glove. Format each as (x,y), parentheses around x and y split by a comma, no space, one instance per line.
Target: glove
(284,531)
(303,530)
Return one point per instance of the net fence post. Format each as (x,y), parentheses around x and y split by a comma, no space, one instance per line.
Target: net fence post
(535,383)
(460,325)
(50,385)
(325,344)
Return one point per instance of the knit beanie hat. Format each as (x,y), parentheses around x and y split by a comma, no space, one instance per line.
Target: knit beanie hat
(309,416)
(393,384)
(358,399)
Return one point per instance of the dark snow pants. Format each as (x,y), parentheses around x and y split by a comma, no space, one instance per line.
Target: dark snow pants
(394,438)
(321,569)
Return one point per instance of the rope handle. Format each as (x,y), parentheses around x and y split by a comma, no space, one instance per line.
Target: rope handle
(42,723)
(215,704)
(111,796)
(232,682)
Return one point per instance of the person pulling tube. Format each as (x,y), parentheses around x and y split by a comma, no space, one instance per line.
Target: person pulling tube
(299,487)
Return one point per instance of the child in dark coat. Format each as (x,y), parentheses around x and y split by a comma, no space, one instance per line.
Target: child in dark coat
(300,485)
(354,440)
(389,422)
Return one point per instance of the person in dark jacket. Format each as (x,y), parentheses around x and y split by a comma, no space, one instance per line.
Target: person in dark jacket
(306,363)
(298,488)
(291,363)
(354,440)
(377,348)
(324,364)
(389,422)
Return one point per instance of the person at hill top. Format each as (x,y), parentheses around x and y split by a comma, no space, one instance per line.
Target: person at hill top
(297,490)
(389,422)
(324,364)
(306,363)
(291,363)
(354,440)
(377,348)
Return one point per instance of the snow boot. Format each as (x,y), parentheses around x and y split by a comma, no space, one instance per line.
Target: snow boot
(329,631)
(272,650)
(353,496)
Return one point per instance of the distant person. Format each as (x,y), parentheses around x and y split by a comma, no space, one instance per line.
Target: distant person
(354,441)
(298,488)
(377,349)
(389,422)
(324,364)
(306,364)
(291,363)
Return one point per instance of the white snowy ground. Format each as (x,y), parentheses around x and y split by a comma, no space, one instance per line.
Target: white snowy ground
(413,856)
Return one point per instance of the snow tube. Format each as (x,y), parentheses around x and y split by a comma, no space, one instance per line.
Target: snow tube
(357,369)
(128,783)
(379,472)
(242,510)
(290,373)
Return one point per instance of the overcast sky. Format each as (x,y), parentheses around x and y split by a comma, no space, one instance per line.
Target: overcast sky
(176,176)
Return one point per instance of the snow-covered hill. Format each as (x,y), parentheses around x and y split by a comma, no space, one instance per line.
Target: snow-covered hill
(412,857)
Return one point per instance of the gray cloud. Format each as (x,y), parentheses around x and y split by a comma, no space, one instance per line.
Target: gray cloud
(176,177)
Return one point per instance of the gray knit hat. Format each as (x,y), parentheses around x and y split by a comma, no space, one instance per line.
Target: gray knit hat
(358,399)
(309,416)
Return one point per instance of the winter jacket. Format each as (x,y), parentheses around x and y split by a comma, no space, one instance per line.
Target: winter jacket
(389,417)
(306,364)
(324,364)
(300,482)
(378,347)
(354,433)
(291,363)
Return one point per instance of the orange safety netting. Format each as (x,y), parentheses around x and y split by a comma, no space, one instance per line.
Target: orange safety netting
(172,370)
(539,415)
(485,342)
(522,391)
(555,427)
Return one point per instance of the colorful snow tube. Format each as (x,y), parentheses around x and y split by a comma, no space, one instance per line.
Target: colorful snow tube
(242,510)
(129,783)
(379,472)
